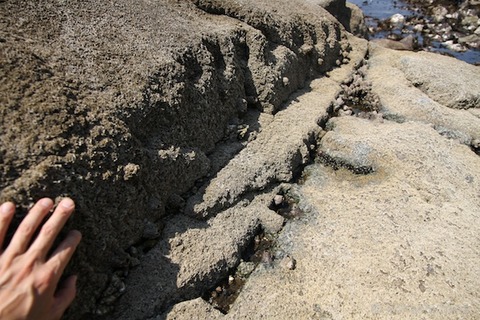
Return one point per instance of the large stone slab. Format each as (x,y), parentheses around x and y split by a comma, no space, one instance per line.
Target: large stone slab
(118,104)
(282,147)
(400,81)
(396,243)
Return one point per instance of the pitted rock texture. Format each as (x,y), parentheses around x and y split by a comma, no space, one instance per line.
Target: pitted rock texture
(381,245)
(118,105)
(421,87)
(173,123)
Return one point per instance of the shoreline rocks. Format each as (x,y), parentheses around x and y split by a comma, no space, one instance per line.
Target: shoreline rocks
(173,125)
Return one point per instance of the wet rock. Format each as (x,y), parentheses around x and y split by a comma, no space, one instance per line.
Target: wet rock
(431,24)
(439,13)
(397,20)
(407,43)
(472,40)
(454,46)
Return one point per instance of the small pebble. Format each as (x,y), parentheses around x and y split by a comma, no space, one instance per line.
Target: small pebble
(278,199)
(344,113)
(397,19)
(418,27)
(267,257)
(289,263)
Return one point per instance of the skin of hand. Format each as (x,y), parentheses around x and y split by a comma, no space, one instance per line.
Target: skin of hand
(29,276)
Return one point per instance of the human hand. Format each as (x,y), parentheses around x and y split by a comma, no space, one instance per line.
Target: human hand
(29,278)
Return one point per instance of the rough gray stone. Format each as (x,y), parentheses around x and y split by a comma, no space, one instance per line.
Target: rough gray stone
(281,149)
(118,104)
(357,24)
(441,80)
(190,259)
(404,97)
(379,245)
(136,106)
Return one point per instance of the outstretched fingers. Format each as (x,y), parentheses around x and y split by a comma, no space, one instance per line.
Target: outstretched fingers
(63,253)
(7,210)
(28,226)
(52,227)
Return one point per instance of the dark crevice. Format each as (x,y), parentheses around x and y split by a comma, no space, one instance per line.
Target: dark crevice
(261,246)
(337,163)
(259,251)
(285,205)
(475,148)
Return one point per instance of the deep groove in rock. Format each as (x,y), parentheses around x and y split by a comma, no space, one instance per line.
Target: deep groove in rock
(337,163)
(259,251)
(224,293)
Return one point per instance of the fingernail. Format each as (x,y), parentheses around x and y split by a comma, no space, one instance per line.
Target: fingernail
(67,203)
(6,208)
(45,202)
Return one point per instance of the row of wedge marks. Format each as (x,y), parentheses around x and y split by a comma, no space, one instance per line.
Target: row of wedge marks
(263,252)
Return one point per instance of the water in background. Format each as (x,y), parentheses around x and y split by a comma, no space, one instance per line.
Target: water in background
(378,10)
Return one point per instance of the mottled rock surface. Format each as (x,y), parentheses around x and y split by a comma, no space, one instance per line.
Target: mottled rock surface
(176,124)
(382,245)
(118,105)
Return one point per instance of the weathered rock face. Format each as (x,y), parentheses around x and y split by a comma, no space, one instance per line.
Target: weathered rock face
(377,245)
(176,124)
(388,209)
(348,14)
(118,106)
(423,87)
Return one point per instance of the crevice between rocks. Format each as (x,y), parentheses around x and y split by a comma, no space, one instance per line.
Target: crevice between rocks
(285,208)
(260,251)
(355,99)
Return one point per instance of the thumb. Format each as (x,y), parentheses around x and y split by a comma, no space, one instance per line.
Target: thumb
(64,296)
